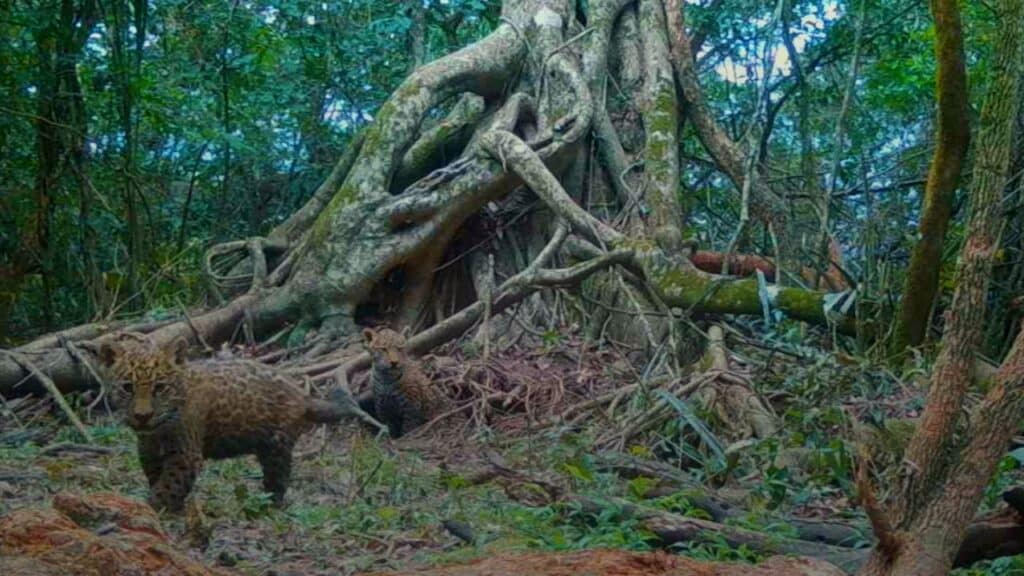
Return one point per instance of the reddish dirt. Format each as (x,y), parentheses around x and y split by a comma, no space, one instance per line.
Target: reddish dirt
(622,563)
(95,535)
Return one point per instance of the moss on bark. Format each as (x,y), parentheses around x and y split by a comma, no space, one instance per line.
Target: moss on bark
(681,285)
(661,126)
(953,134)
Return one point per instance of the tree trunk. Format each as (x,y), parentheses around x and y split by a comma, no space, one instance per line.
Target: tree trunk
(417,35)
(941,486)
(128,74)
(60,133)
(765,203)
(952,137)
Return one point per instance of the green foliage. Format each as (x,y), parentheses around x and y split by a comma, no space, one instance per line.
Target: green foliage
(552,338)
(775,485)
(832,464)
(1004,478)
(688,419)
(253,505)
(1007,566)
(237,111)
(575,529)
(639,487)
(679,503)
(715,548)
(578,473)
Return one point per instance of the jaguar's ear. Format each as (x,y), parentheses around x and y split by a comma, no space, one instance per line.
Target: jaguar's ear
(108,352)
(179,350)
(368,335)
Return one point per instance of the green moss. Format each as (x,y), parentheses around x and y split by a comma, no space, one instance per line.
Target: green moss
(639,244)
(661,122)
(387,113)
(687,289)
(373,140)
(663,117)
(345,196)
(801,304)
(729,296)
(373,143)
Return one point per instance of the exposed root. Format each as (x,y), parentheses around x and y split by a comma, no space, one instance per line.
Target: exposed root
(89,332)
(732,396)
(220,261)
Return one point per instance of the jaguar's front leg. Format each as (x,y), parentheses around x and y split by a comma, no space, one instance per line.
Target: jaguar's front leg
(150,459)
(177,476)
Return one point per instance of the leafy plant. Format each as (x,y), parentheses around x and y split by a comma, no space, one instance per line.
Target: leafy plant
(253,505)
(714,547)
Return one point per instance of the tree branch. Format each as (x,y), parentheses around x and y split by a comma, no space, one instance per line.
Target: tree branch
(765,203)
(520,159)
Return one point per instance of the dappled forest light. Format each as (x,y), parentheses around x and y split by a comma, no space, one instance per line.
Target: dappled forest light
(717,286)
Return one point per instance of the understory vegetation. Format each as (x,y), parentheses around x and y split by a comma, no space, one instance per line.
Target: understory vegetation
(358,504)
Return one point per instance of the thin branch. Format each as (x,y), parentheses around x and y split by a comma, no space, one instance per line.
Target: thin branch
(47,383)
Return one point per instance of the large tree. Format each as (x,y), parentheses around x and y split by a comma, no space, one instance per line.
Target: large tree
(505,176)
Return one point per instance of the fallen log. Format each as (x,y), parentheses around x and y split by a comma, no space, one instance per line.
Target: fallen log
(720,509)
(993,535)
(744,265)
(671,529)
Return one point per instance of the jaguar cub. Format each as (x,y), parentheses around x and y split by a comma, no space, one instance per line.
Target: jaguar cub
(403,396)
(183,412)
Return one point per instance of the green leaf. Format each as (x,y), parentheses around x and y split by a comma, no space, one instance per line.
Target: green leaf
(690,418)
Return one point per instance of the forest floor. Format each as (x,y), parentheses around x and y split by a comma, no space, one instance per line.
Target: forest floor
(359,503)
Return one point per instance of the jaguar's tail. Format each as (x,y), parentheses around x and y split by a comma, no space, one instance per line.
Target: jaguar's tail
(339,405)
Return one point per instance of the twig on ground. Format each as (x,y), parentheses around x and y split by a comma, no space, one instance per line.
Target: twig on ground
(75,447)
(76,353)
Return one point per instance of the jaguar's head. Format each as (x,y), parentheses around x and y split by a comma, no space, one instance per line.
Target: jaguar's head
(386,348)
(146,380)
